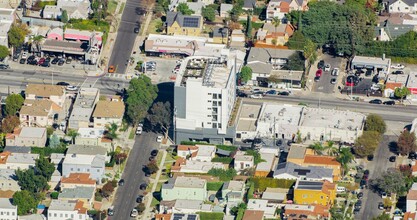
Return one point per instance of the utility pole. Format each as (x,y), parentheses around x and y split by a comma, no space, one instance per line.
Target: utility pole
(174,122)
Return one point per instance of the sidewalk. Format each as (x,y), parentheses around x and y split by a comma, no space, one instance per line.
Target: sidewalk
(147,213)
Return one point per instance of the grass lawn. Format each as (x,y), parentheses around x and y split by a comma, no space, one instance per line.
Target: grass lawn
(152,28)
(111,7)
(154,202)
(122,6)
(132,134)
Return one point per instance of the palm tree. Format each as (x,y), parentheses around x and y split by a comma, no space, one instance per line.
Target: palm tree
(73,134)
(36,40)
(330,149)
(344,158)
(112,133)
(317,148)
(276,22)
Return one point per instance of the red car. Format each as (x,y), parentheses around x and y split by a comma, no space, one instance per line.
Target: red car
(41,61)
(319,73)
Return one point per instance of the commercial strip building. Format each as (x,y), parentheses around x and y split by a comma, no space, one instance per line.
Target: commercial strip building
(377,64)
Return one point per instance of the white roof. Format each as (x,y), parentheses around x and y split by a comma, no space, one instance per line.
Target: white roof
(247,158)
(205,150)
(331,118)
(6,174)
(412,80)
(371,60)
(188,204)
(5,203)
(305,208)
(22,158)
(267,164)
(226,7)
(283,114)
(397,78)
(32,132)
(201,166)
(189,182)
(62,205)
(91,132)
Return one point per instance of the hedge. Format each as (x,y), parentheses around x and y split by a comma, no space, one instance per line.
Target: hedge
(226,147)
(224,160)
(211,215)
(223,175)
(47,151)
(214,186)
(261,183)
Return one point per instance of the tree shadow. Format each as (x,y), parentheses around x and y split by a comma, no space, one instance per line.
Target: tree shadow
(393,147)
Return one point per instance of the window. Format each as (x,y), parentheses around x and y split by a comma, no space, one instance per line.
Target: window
(72,215)
(214,96)
(220,103)
(98,117)
(98,170)
(214,125)
(78,169)
(220,96)
(55,215)
(209,116)
(61,215)
(66,215)
(220,125)
(72,169)
(321,197)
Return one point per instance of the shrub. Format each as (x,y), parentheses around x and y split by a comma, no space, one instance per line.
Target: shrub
(223,175)
(54,195)
(214,186)
(261,183)
(211,215)
(225,160)
(47,151)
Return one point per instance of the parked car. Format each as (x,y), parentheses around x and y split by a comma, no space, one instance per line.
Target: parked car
(139,130)
(317,78)
(121,182)
(134,213)
(154,153)
(375,101)
(392,159)
(71,88)
(370,157)
(284,93)
(256,96)
(360,195)
(4,66)
(151,158)
(41,60)
(335,72)
(33,62)
(333,81)
(271,92)
(398,66)
(143,186)
(55,60)
(61,62)
(327,67)
(389,102)
(412,155)
(159,139)
(383,195)
(25,55)
(398,72)
(381,206)
(46,63)
(320,65)
(110,211)
(22,61)
(319,72)
(136,30)
(139,199)
(69,60)
(62,84)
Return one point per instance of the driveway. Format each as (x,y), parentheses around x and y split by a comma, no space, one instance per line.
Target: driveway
(125,199)
(376,167)
(324,84)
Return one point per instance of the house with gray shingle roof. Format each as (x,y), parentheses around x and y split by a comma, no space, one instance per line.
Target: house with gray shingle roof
(387,31)
(179,24)
(293,171)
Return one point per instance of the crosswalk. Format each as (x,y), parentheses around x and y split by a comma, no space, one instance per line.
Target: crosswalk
(114,75)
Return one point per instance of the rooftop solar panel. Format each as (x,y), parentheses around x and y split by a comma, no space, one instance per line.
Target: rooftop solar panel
(190,22)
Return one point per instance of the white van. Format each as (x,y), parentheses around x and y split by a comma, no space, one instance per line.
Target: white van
(139,130)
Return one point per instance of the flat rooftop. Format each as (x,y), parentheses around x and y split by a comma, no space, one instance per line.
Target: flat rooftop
(205,150)
(330,118)
(73,47)
(267,164)
(87,150)
(32,132)
(282,114)
(5,203)
(22,158)
(189,182)
(412,80)
(248,115)
(371,60)
(90,132)
(397,78)
(62,205)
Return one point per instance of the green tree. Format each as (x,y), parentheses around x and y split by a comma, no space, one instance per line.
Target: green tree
(140,96)
(4,52)
(73,134)
(17,34)
(44,168)
(54,141)
(391,181)
(297,41)
(256,156)
(275,22)
(249,27)
(317,147)
(9,123)
(64,16)
(382,216)
(224,175)
(295,62)
(402,92)
(309,51)
(209,13)
(141,208)
(160,116)
(25,202)
(245,74)
(28,180)
(375,122)
(13,103)
(36,41)
(367,143)
(152,167)
(112,133)
(344,157)
(184,9)
(407,142)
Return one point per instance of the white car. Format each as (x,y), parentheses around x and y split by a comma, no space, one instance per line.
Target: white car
(335,72)
(159,139)
(24,55)
(139,130)
(256,96)
(327,67)
(398,66)
(134,213)
(71,88)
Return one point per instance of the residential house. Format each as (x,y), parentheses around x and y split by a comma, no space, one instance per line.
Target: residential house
(77,180)
(394,81)
(192,166)
(179,24)
(82,193)
(83,108)
(27,137)
(242,161)
(314,211)
(67,209)
(185,151)
(314,192)
(204,153)
(220,35)
(8,211)
(51,12)
(56,34)
(264,168)
(189,188)
(108,112)
(187,207)
(294,171)
(412,86)
(275,195)
(249,5)
(279,8)
(38,113)
(253,215)
(225,9)
(85,159)
(8,180)
(7,17)
(387,31)
(78,9)
(269,209)
(264,61)
(237,39)
(271,35)
(16,161)
(411,202)
(233,193)
(400,6)
(196,7)
(54,93)
(93,136)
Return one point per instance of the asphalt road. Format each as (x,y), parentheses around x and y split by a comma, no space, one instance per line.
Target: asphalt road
(376,167)
(324,84)
(133,175)
(125,40)
(390,113)
(14,80)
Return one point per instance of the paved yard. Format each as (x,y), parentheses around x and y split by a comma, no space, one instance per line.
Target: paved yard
(163,71)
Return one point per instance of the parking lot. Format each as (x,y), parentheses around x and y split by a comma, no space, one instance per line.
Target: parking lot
(163,71)
(324,85)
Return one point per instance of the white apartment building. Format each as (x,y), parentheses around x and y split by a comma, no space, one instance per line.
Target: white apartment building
(7,210)
(67,209)
(6,19)
(204,96)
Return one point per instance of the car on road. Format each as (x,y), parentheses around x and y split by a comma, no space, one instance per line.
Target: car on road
(335,72)
(398,66)
(4,66)
(271,92)
(333,81)
(134,213)
(398,72)
(375,101)
(154,153)
(139,130)
(25,55)
(389,102)
(55,60)
(61,62)
(370,157)
(136,30)
(360,195)
(392,159)
(139,199)
(62,84)
(22,61)
(110,211)
(381,206)
(321,64)
(327,67)
(284,93)
(317,78)
(71,88)
(319,72)
(121,182)
(111,69)
(143,186)
(256,96)
(159,139)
